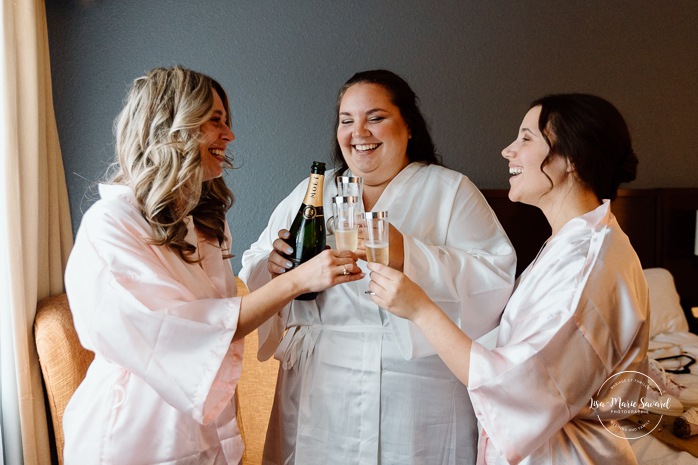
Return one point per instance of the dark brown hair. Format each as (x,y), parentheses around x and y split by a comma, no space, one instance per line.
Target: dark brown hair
(420,147)
(592,134)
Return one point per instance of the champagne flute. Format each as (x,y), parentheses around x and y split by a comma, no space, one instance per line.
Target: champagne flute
(351,186)
(376,238)
(346,224)
(348,186)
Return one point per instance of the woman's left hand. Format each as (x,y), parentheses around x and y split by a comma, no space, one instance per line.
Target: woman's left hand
(395,292)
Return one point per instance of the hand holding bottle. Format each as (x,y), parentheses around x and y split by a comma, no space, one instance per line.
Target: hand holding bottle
(278,261)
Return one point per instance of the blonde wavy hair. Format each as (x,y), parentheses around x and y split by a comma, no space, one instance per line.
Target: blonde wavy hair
(157,150)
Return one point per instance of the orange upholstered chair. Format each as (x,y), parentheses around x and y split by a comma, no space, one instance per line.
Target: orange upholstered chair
(255,396)
(64,363)
(63,360)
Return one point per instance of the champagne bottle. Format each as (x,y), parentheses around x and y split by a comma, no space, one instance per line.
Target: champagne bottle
(307,233)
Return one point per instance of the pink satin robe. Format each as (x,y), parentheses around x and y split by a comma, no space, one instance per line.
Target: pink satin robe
(160,390)
(579,314)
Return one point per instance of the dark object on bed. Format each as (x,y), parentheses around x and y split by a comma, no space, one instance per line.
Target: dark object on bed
(661,225)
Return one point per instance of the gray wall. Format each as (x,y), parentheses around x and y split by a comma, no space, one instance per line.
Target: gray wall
(476,64)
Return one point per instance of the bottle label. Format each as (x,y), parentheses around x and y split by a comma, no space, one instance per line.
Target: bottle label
(313,196)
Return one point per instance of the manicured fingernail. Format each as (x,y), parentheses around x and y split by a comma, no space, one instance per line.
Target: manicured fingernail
(289,264)
(286,234)
(289,250)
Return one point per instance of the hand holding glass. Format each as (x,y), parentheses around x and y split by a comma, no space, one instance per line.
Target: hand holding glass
(346,222)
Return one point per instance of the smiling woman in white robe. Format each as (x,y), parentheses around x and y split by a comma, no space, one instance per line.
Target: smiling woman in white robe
(579,313)
(152,291)
(358,385)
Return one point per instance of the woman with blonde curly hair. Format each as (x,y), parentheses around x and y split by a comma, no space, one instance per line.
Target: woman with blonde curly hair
(152,291)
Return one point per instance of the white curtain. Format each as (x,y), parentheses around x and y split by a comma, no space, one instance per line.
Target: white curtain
(35,231)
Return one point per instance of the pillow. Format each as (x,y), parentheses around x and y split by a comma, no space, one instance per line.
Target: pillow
(666,313)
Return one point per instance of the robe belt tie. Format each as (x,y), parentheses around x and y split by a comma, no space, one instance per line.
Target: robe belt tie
(299,341)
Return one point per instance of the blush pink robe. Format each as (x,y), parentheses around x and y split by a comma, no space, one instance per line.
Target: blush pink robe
(160,390)
(579,314)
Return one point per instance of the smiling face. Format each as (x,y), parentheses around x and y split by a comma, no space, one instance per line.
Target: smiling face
(528,184)
(372,134)
(215,135)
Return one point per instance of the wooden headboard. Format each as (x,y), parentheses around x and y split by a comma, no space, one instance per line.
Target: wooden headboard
(661,225)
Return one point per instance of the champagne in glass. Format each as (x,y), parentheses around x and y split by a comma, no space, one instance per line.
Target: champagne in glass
(377,237)
(378,252)
(347,239)
(346,222)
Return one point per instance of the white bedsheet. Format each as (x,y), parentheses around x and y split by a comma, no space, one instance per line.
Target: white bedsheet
(649,450)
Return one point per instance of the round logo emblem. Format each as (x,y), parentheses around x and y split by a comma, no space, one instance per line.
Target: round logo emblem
(617,398)
(309,212)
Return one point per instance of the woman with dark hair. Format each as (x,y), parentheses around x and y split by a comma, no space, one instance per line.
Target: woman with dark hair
(420,146)
(152,291)
(579,314)
(358,385)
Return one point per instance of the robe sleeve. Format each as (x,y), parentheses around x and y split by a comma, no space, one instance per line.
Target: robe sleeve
(255,274)
(577,331)
(470,276)
(130,309)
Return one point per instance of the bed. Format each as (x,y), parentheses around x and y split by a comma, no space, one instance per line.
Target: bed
(661,225)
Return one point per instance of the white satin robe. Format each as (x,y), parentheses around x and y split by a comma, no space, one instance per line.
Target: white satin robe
(357,384)
(160,390)
(579,314)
